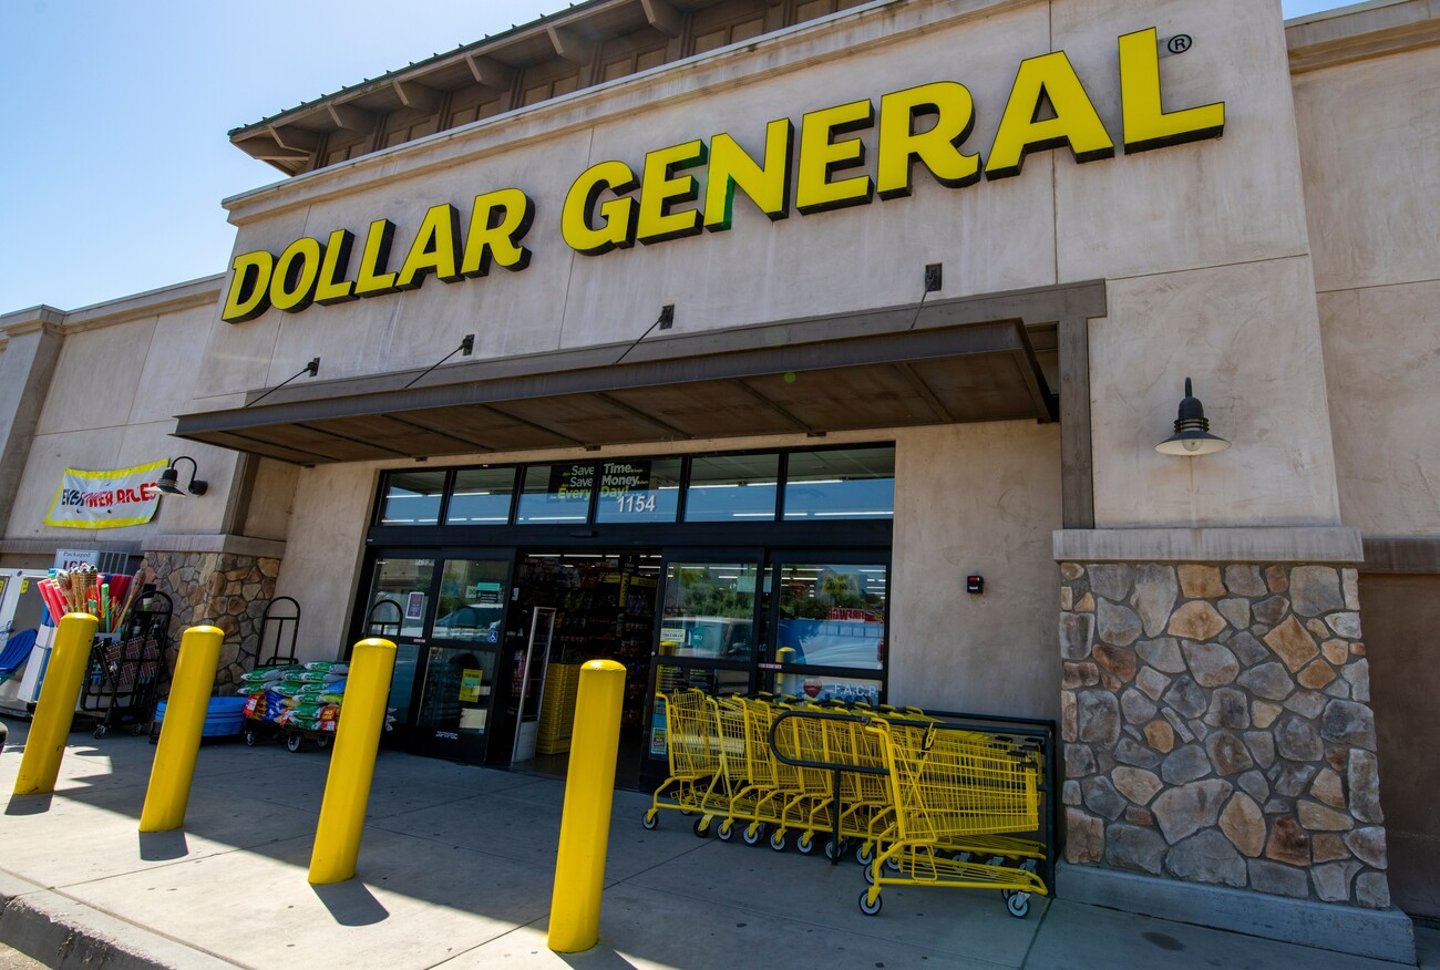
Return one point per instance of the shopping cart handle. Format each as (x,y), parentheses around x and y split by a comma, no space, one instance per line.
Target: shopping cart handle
(822,765)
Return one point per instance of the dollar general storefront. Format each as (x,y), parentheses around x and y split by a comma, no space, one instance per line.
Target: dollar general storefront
(916,293)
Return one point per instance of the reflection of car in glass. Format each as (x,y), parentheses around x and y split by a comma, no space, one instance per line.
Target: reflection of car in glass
(708,636)
(475,621)
(833,643)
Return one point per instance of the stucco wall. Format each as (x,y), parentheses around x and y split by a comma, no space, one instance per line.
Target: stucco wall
(1369,142)
(976,498)
(1204,244)
(111,404)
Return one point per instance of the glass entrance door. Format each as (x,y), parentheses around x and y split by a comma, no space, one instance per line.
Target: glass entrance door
(829,618)
(709,632)
(445,616)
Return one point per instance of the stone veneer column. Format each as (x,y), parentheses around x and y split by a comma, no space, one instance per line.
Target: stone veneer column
(1217,727)
(228,590)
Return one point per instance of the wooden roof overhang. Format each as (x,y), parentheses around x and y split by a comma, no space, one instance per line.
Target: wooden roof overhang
(893,368)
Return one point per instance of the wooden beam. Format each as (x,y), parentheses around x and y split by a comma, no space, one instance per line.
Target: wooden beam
(271,152)
(570,46)
(295,139)
(417,96)
(351,118)
(490,73)
(1077,461)
(663,17)
(1404,555)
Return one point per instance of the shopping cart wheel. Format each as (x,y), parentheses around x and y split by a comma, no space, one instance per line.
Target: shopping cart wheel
(701,828)
(867,907)
(99,732)
(1030,865)
(778,840)
(834,850)
(294,742)
(322,742)
(726,830)
(651,820)
(865,854)
(755,833)
(869,873)
(960,857)
(1018,905)
(806,843)
(893,863)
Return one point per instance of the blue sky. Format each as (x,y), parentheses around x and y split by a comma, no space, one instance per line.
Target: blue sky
(116,155)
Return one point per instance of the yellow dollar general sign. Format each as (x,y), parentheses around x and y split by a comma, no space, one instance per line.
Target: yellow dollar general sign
(610,206)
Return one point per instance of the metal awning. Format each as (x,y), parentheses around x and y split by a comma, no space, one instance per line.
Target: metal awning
(892,368)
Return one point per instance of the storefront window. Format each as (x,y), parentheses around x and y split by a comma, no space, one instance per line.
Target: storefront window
(832,615)
(709,611)
(639,490)
(481,497)
(398,597)
(472,600)
(849,483)
(557,493)
(412,498)
(728,488)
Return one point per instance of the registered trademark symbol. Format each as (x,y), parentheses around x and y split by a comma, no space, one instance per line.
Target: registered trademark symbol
(1179,44)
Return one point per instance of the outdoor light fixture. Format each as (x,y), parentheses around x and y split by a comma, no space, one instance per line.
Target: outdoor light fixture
(311,368)
(1192,430)
(466,348)
(169,479)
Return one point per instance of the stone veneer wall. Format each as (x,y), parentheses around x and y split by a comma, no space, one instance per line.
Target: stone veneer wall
(230,591)
(1217,727)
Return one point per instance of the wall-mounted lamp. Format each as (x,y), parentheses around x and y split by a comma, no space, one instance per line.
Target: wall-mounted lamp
(466,348)
(1192,430)
(169,479)
(311,368)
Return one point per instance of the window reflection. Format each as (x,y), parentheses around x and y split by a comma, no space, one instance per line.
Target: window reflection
(848,483)
(728,488)
(412,498)
(481,497)
(709,611)
(398,597)
(832,615)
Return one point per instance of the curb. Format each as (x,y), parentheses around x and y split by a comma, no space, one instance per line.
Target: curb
(65,934)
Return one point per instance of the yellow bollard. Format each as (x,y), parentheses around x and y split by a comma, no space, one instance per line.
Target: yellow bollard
(55,710)
(585,820)
(784,655)
(174,767)
(352,762)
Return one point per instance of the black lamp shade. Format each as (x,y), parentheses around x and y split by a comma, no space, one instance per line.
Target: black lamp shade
(167,482)
(169,479)
(1192,430)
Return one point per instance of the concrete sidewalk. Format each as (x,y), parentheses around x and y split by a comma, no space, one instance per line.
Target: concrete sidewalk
(455,870)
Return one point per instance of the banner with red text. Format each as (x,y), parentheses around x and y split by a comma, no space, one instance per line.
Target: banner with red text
(106,499)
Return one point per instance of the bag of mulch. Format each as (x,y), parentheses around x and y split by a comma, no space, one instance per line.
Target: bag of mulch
(327,667)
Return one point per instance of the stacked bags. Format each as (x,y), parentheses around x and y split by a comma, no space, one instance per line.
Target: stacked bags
(305,697)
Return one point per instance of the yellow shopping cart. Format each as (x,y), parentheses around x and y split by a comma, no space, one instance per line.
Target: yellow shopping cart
(950,785)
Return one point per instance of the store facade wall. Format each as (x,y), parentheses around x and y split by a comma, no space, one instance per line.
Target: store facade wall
(1368,146)
(976,499)
(98,388)
(1209,667)
(1203,247)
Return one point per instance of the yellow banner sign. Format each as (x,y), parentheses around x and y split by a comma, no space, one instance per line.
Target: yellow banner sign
(109,499)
